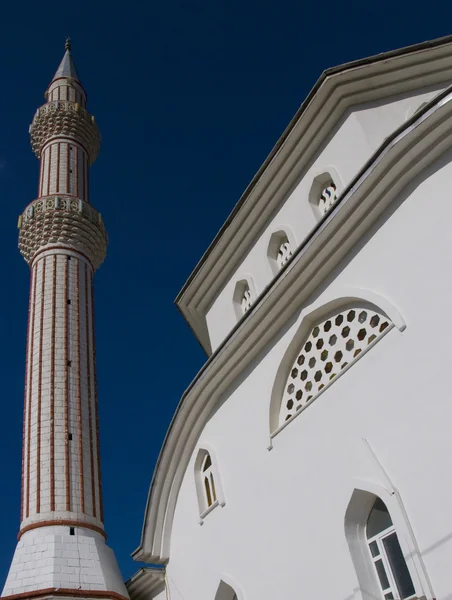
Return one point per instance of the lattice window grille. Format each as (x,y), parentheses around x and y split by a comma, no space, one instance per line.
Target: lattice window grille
(331,346)
(328,197)
(284,253)
(246,301)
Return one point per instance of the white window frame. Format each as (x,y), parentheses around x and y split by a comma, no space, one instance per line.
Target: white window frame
(208,480)
(244,296)
(228,589)
(246,301)
(320,183)
(213,476)
(378,539)
(364,493)
(280,238)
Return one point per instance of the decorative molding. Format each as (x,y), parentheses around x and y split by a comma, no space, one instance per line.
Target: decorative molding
(62,118)
(324,347)
(337,89)
(69,522)
(145,581)
(373,190)
(68,221)
(66,592)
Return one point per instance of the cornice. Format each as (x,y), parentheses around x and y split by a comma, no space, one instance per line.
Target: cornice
(339,88)
(145,581)
(405,154)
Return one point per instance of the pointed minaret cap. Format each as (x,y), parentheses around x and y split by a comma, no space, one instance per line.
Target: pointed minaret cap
(67,66)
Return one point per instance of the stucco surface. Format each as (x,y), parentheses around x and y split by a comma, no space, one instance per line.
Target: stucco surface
(281,531)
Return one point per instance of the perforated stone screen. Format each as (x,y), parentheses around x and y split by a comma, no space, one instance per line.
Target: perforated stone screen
(284,253)
(331,346)
(246,301)
(327,198)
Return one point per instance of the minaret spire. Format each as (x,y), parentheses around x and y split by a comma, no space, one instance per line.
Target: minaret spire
(67,65)
(63,239)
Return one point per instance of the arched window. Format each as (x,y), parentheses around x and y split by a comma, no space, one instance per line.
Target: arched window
(328,197)
(280,250)
(284,253)
(331,346)
(246,300)
(324,192)
(208,481)
(386,555)
(225,592)
(243,297)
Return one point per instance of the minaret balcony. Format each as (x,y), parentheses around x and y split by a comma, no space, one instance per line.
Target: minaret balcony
(62,221)
(66,119)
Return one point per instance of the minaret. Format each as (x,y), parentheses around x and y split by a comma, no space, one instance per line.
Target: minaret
(61,549)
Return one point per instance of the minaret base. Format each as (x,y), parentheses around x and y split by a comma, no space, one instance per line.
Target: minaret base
(49,562)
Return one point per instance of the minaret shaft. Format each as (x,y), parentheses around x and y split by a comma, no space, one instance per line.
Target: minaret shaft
(61,550)
(64,170)
(61,455)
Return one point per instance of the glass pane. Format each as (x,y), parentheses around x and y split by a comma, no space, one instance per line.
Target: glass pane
(208,496)
(379,519)
(207,463)
(398,566)
(374,548)
(382,574)
(389,596)
(212,484)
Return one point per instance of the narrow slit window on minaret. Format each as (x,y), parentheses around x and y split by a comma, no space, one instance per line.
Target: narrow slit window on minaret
(71,530)
(69,363)
(69,436)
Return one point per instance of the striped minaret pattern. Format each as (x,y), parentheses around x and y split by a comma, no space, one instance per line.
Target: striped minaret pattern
(61,550)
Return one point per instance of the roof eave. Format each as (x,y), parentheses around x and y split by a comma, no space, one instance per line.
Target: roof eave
(183,299)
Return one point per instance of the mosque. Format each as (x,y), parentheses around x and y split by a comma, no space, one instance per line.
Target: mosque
(310,456)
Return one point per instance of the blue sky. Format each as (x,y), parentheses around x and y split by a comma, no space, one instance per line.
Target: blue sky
(190,97)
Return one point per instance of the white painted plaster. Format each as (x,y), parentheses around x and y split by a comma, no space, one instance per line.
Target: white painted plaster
(282,533)
(358,134)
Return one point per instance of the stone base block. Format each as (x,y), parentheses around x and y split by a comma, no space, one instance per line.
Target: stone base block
(49,561)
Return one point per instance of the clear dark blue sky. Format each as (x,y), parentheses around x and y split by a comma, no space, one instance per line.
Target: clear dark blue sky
(190,97)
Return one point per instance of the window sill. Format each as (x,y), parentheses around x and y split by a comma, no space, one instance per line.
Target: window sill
(204,514)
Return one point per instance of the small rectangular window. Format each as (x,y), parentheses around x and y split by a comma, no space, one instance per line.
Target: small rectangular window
(71,530)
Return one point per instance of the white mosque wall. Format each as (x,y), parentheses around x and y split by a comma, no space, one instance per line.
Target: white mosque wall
(357,136)
(382,427)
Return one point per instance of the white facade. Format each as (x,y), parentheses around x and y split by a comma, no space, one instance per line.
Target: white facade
(327,397)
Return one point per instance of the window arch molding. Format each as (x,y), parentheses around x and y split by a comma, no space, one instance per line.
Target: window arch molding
(277,237)
(322,177)
(361,500)
(245,283)
(228,589)
(344,296)
(205,450)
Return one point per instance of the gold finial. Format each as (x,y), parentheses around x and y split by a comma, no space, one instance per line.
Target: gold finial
(67,45)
